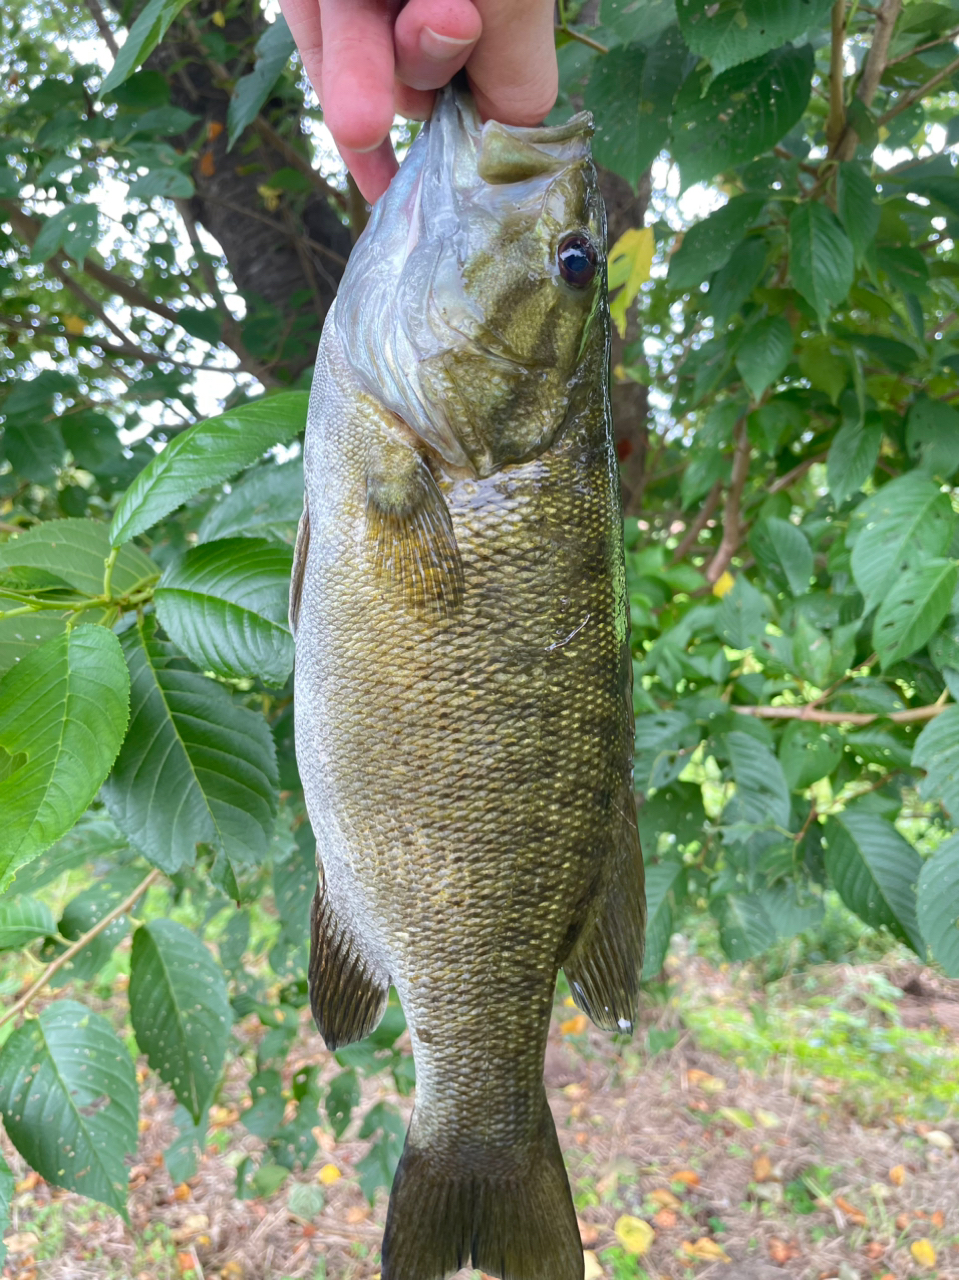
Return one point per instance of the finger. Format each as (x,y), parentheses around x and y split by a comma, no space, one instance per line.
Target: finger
(433,39)
(513,69)
(415,104)
(303,19)
(372,170)
(358,72)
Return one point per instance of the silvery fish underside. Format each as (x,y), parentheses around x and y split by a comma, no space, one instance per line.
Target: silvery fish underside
(464,723)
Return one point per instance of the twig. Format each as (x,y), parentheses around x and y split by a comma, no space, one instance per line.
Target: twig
(790,477)
(578,36)
(904,103)
(732,525)
(946,38)
(700,523)
(66,956)
(106,32)
(837,105)
(807,712)
(873,69)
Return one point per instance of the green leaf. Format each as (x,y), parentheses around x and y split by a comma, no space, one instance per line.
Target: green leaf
(742,615)
(151,26)
(631,91)
(875,872)
(820,258)
(788,911)
(932,437)
(676,812)
(764,353)
(909,521)
(196,766)
(784,552)
(742,113)
(733,284)
(733,31)
(812,652)
(68,1095)
(745,929)
(63,714)
(911,613)
(856,206)
(294,882)
(33,449)
(761,790)
(938,905)
(22,920)
(274,49)
(808,752)
(180,1010)
(852,458)
(6,1196)
(661,884)
(20,634)
(169,183)
(183,1154)
(75,551)
(267,503)
(708,244)
(73,230)
(86,910)
(94,837)
(206,455)
(225,604)
(937,751)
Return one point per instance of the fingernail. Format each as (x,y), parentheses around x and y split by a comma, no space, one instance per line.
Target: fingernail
(441,48)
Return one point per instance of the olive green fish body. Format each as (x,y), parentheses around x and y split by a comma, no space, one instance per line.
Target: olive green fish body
(464,734)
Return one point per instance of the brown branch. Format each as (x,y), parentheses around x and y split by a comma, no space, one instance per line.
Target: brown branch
(106,31)
(66,956)
(732,523)
(904,103)
(946,38)
(808,712)
(261,217)
(837,105)
(89,301)
(872,72)
(299,162)
(789,478)
(700,523)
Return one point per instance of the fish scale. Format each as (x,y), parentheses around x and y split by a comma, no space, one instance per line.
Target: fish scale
(464,718)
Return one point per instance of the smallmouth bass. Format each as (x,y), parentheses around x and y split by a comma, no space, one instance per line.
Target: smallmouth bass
(464,724)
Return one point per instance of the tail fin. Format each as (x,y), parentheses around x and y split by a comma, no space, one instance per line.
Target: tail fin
(518,1226)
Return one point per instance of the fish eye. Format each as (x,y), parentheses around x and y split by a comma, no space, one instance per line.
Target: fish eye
(577,259)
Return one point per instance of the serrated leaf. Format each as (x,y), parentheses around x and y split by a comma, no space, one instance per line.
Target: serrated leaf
(180,1010)
(745,929)
(856,206)
(22,920)
(764,353)
(169,183)
(20,634)
(742,113)
(93,837)
(73,230)
(68,1096)
(875,872)
(196,766)
(206,455)
(86,910)
(708,244)
(937,904)
(742,615)
(267,503)
(63,714)
(33,449)
(733,31)
(852,458)
(788,913)
(820,258)
(75,551)
(661,883)
(932,437)
(808,752)
(274,49)
(151,25)
(761,789)
(784,550)
(911,612)
(906,523)
(937,751)
(225,605)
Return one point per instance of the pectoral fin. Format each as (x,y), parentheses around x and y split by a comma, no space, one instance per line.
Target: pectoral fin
(605,964)
(348,996)
(300,553)
(410,534)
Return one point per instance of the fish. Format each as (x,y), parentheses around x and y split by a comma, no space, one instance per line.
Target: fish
(463,707)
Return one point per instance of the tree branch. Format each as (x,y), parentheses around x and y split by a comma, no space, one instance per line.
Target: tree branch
(808,712)
(872,72)
(904,103)
(699,524)
(837,104)
(789,478)
(66,956)
(732,524)
(106,31)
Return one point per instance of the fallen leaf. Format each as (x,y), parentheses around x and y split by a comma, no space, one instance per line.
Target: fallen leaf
(665,1219)
(182,1192)
(768,1119)
(705,1250)
(762,1168)
(222,1116)
(782,1250)
(923,1252)
(591,1268)
(634,1234)
(937,1138)
(688,1177)
(737,1116)
(574,1026)
(902,1221)
(704,1081)
(855,1216)
(897,1175)
(185,1263)
(328,1175)
(938,1219)
(874,1249)
(28,1183)
(663,1198)
(207,164)
(588,1234)
(358,1213)
(22,1242)
(231,1270)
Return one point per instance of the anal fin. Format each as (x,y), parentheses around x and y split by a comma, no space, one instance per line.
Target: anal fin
(605,964)
(347,995)
(409,532)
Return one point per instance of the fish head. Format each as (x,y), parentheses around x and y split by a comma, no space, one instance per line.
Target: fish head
(474,302)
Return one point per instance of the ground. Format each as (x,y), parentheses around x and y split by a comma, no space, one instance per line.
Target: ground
(806,1127)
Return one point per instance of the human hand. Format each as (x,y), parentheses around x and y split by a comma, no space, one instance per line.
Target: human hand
(369,60)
